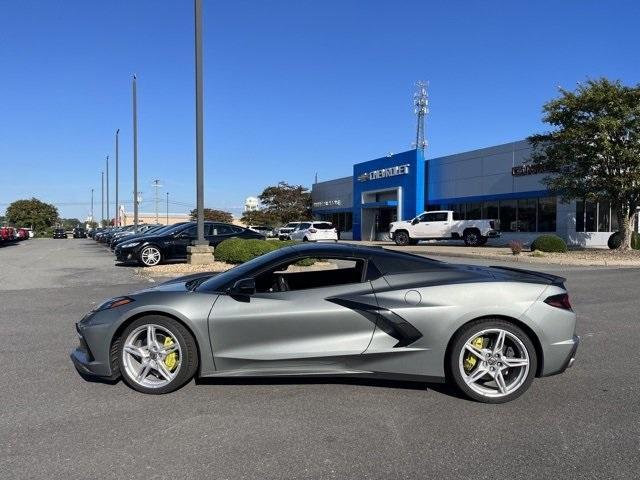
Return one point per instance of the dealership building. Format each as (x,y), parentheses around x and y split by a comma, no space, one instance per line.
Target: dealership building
(489,183)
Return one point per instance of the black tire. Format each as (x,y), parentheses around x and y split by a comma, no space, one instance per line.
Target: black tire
(471,238)
(402,238)
(189,360)
(305,239)
(454,375)
(483,241)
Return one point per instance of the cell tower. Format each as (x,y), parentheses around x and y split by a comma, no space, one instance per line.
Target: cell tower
(421,108)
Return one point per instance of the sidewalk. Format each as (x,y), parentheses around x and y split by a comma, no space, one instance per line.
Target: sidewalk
(587,257)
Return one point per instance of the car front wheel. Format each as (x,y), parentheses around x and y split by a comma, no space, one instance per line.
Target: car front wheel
(492,361)
(150,256)
(156,355)
(402,238)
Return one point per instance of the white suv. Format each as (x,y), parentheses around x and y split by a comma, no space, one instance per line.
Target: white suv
(314,232)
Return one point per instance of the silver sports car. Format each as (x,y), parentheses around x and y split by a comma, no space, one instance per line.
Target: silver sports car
(338,310)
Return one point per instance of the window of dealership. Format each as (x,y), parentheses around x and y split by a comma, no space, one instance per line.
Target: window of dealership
(521,215)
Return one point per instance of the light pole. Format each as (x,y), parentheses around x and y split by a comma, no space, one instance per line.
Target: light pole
(199,125)
(117,158)
(102,192)
(167,208)
(92,220)
(135,153)
(108,216)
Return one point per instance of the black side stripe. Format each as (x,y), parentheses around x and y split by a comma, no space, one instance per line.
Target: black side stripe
(389,322)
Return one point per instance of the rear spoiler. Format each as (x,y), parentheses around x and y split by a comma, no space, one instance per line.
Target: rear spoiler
(552,279)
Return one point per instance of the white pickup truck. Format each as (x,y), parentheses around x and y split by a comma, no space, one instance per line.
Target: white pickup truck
(443,225)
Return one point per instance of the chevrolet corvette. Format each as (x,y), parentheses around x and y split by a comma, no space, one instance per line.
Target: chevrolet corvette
(355,311)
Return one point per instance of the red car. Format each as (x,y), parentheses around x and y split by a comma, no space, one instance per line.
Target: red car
(23,234)
(7,234)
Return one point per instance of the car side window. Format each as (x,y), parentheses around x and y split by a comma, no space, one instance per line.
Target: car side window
(221,229)
(307,273)
(424,217)
(235,229)
(191,232)
(304,226)
(436,217)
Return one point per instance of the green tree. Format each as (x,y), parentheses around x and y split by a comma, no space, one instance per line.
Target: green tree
(212,215)
(286,203)
(260,217)
(70,223)
(593,151)
(32,213)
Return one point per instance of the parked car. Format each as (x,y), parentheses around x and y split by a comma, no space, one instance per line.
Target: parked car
(443,225)
(7,234)
(172,244)
(22,234)
(263,229)
(59,233)
(79,232)
(283,232)
(157,230)
(379,314)
(314,232)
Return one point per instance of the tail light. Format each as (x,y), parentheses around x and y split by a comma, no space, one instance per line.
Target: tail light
(559,301)
(312,230)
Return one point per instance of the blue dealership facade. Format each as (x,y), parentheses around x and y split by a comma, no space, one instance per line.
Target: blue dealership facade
(488,183)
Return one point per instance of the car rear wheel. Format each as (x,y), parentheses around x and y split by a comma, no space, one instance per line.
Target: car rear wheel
(156,355)
(471,238)
(402,238)
(150,256)
(492,361)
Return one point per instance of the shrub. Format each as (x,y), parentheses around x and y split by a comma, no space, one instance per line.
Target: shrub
(615,240)
(237,250)
(549,243)
(515,246)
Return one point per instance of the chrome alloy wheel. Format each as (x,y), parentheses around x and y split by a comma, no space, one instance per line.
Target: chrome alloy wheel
(152,356)
(150,256)
(501,365)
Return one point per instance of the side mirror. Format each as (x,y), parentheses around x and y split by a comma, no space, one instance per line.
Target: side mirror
(245,286)
(415,221)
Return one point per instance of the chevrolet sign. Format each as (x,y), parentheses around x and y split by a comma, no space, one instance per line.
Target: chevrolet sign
(384,173)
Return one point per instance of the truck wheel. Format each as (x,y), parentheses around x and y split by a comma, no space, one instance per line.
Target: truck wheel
(471,238)
(402,239)
(483,241)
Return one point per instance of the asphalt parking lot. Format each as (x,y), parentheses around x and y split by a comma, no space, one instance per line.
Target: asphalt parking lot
(53,424)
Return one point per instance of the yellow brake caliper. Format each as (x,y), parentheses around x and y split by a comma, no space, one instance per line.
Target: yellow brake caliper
(470,360)
(172,359)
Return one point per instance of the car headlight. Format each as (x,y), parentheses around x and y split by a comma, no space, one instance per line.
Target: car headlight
(113,303)
(130,244)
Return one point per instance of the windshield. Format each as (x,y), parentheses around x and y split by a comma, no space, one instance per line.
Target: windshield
(217,283)
(171,229)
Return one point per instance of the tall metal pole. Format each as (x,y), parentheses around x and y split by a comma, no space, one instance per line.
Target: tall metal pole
(108,216)
(167,208)
(92,219)
(135,154)
(117,200)
(199,125)
(102,192)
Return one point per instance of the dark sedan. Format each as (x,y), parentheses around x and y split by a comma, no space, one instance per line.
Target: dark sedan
(59,233)
(79,232)
(150,250)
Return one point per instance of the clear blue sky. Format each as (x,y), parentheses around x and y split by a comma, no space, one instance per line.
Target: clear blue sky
(291,87)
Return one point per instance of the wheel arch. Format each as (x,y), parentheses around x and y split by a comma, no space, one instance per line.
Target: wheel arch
(471,229)
(518,323)
(160,313)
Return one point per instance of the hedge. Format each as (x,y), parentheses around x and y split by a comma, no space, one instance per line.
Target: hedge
(615,240)
(237,250)
(549,243)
